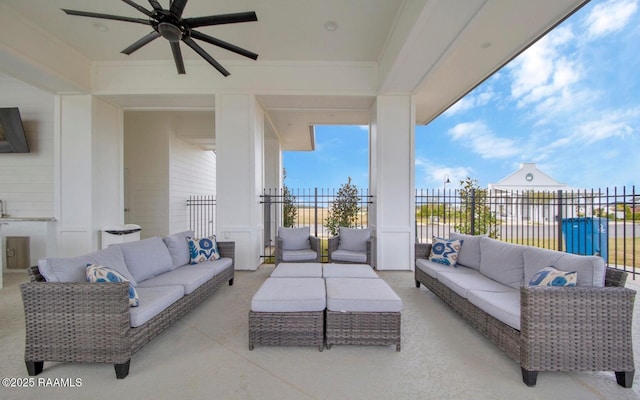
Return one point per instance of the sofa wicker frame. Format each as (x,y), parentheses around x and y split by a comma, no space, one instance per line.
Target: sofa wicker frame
(88,322)
(596,325)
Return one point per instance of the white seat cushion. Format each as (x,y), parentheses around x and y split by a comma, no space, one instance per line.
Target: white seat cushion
(462,283)
(349,256)
(217,266)
(432,268)
(504,306)
(290,295)
(361,295)
(297,270)
(189,278)
(348,271)
(298,255)
(152,301)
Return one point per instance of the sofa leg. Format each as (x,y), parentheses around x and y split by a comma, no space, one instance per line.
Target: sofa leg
(625,378)
(35,367)
(418,284)
(122,370)
(231,282)
(529,377)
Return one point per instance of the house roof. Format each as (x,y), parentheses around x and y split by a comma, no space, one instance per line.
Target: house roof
(528,177)
(306,74)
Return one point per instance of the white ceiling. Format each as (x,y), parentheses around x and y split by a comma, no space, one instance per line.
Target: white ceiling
(435,50)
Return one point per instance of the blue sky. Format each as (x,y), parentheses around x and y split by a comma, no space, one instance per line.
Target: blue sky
(570,103)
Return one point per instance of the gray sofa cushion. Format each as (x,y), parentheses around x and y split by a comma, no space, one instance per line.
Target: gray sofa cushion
(590,269)
(469,254)
(294,238)
(217,266)
(503,306)
(352,239)
(189,278)
(462,283)
(503,262)
(178,247)
(361,295)
(432,268)
(153,300)
(349,256)
(146,258)
(290,295)
(72,269)
(298,255)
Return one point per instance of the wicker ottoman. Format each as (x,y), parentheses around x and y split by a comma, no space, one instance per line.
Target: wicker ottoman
(288,312)
(297,270)
(348,271)
(362,311)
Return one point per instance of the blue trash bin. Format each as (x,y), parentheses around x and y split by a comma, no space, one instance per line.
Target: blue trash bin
(586,236)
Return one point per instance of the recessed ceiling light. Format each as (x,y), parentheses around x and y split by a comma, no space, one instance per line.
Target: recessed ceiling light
(485,45)
(330,26)
(100,26)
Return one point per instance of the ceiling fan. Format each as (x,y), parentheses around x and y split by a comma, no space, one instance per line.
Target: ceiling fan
(170,25)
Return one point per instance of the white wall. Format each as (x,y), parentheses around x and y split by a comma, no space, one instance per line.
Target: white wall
(192,170)
(163,170)
(27,180)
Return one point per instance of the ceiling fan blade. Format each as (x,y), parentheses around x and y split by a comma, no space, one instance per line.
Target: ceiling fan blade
(221,19)
(177,57)
(156,6)
(141,42)
(224,45)
(106,16)
(139,8)
(177,7)
(205,55)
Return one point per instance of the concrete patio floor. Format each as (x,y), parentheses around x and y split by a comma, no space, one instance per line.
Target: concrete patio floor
(206,355)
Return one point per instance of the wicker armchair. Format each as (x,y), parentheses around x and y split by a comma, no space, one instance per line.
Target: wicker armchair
(596,325)
(297,245)
(88,322)
(363,254)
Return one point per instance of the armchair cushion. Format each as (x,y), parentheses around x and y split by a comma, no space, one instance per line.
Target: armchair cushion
(294,238)
(352,239)
(349,256)
(299,255)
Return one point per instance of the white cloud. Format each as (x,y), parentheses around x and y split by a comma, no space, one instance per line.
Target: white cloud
(480,139)
(430,175)
(610,17)
(470,101)
(612,125)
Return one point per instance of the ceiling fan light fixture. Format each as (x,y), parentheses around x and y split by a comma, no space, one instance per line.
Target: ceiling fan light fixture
(169,31)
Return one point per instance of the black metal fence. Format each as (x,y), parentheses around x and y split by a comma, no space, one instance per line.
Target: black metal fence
(604,221)
(307,207)
(202,215)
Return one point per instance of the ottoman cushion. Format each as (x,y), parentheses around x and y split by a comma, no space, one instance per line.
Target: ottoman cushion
(290,295)
(348,271)
(297,270)
(361,295)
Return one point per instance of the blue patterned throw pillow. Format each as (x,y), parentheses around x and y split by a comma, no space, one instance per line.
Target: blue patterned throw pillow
(550,276)
(98,273)
(203,249)
(444,251)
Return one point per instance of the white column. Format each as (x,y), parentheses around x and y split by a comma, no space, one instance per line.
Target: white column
(89,185)
(240,175)
(392,180)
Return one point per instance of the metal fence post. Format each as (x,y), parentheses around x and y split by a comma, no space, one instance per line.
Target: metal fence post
(559,218)
(473,211)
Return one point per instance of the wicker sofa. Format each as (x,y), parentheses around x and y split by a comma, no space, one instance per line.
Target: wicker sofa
(582,328)
(71,320)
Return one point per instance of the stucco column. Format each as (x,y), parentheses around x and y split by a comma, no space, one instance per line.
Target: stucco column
(240,175)
(392,180)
